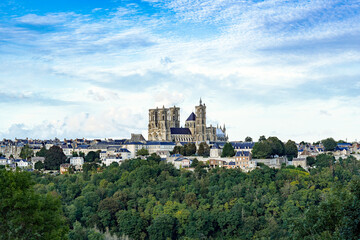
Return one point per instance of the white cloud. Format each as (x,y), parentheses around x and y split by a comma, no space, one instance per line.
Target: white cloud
(49,19)
(255,58)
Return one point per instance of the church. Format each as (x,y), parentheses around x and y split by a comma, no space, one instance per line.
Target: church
(164,125)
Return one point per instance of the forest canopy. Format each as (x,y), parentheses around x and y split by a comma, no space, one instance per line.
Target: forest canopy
(150,199)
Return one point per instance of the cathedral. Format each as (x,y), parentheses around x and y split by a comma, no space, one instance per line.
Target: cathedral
(164,125)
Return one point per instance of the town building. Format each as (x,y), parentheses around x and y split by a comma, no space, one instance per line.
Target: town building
(244,161)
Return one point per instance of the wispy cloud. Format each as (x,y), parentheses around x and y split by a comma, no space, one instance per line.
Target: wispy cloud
(257,53)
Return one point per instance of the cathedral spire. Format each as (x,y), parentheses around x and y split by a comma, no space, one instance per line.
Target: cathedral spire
(200,102)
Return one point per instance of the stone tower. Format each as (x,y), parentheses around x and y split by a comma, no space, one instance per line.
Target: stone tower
(160,122)
(191,123)
(200,124)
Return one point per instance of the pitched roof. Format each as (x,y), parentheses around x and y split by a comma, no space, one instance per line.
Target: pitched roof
(160,143)
(242,154)
(192,117)
(181,131)
(242,145)
(215,146)
(137,138)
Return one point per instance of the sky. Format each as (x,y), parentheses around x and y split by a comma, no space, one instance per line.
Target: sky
(91,68)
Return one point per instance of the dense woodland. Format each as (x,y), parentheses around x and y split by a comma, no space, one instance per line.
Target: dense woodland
(150,199)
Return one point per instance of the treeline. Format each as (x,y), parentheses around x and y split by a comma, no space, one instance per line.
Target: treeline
(272,146)
(150,199)
(189,149)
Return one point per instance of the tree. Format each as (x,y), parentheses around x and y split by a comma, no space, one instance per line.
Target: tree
(131,224)
(262,138)
(54,158)
(142,152)
(42,152)
(310,161)
(194,163)
(291,150)
(262,149)
(92,156)
(90,166)
(268,148)
(329,144)
(277,146)
(26,152)
(324,161)
(25,214)
(190,149)
(39,165)
(228,150)
(163,227)
(248,139)
(204,149)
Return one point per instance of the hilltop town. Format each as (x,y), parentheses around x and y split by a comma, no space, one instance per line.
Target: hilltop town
(180,146)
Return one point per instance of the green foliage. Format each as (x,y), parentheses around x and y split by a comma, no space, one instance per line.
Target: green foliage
(188,149)
(42,152)
(150,199)
(194,163)
(142,152)
(26,152)
(92,156)
(248,139)
(228,150)
(262,149)
(329,144)
(39,165)
(262,138)
(291,150)
(267,148)
(90,166)
(163,227)
(310,161)
(54,158)
(324,161)
(25,214)
(204,149)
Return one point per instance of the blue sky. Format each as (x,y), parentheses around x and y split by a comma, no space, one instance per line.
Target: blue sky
(93,68)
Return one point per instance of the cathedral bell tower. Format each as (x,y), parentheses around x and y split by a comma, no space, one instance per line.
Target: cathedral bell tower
(200,123)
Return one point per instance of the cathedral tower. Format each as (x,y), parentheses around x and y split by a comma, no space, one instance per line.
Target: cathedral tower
(160,122)
(200,123)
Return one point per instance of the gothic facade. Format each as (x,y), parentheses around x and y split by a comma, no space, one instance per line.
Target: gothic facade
(164,125)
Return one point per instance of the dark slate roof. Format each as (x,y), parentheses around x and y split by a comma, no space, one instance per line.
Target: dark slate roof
(181,131)
(83,146)
(182,158)
(215,146)
(122,150)
(345,144)
(192,117)
(242,154)
(119,141)
(160,143)
(242,145)
(134,143)
(231,163)
(176,155)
